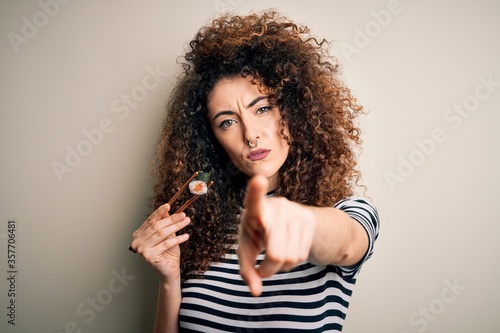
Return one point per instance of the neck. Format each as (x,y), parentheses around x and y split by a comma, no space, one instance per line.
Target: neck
(271,192)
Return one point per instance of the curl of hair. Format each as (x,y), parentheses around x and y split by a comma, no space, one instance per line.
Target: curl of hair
(303,81)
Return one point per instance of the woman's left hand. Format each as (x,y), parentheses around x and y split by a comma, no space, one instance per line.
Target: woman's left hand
(283,228)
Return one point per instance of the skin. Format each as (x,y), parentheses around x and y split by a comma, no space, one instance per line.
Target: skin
(157,242)
(289,232)
(238,113)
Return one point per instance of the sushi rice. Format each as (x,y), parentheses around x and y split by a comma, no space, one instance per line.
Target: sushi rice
(198,187)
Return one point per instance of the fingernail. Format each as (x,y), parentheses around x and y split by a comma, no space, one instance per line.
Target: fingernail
(179,217)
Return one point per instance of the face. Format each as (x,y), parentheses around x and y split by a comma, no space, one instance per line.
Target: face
(238,114)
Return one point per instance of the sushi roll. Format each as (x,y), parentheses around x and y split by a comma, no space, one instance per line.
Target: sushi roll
(199,185)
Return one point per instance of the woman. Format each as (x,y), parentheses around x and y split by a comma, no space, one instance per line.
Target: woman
(279,239)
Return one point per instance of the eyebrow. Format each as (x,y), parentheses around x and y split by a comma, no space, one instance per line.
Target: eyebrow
(252,103)
(255,101)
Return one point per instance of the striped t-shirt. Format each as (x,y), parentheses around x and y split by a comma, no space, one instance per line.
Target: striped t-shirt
(309,298)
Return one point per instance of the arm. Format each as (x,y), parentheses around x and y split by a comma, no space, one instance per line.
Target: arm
(167,309)
(157,242)
(338,238)
(291,233)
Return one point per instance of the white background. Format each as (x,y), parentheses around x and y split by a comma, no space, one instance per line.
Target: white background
(411,69)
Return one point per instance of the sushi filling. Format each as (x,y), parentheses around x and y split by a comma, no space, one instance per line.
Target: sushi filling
(198,187)
(199,184)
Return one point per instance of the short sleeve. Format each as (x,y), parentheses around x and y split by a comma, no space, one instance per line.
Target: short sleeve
(366,214)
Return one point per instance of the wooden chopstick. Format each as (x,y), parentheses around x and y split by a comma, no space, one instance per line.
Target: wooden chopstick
(183,187)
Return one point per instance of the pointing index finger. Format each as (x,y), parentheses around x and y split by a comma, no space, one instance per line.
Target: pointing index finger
(256,192)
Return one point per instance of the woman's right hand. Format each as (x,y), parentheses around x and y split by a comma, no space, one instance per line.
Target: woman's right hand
(157,242)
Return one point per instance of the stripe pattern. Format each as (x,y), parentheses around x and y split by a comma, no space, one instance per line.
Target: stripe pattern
(309,298)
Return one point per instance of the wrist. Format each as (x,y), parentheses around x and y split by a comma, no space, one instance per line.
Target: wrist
(171,288)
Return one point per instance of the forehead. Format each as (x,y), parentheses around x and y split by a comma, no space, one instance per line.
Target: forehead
(229,89)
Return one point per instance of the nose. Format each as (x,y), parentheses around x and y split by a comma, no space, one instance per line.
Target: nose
(251,131)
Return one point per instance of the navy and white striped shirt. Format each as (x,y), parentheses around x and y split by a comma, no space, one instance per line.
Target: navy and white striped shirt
(309,298)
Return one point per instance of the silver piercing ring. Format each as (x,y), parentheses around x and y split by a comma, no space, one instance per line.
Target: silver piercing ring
(253,145)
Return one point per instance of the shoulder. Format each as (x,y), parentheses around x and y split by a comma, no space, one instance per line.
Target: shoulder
(360,209)
(364,212)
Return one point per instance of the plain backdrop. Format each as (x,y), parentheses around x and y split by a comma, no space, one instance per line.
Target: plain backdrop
(82,90)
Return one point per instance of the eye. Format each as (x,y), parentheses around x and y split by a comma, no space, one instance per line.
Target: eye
(226,123)
(263,109)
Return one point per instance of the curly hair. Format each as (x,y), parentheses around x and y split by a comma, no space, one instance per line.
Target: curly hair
(303,80)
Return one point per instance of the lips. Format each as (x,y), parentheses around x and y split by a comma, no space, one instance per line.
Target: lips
(258,154)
